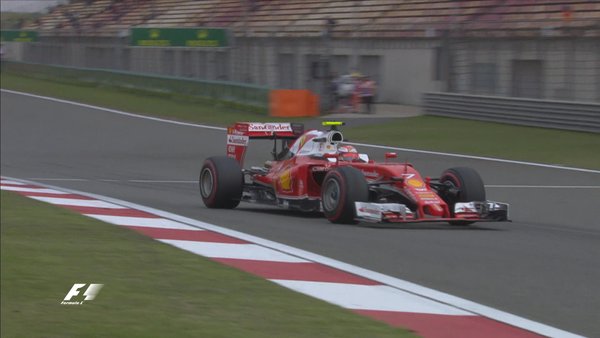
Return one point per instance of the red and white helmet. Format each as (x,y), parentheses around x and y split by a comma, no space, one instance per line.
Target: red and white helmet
(347,153)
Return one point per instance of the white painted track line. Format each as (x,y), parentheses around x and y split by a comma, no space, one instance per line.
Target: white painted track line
(370,297)
(142,222)
(235,251)
(114,111)
(543,186)
(11,182)
(118,112)
(36,190)
(287,253)
(77,203)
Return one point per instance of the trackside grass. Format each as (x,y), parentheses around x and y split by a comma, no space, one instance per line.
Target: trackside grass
(566,148)
(167,105)
(150,289)
(576,149)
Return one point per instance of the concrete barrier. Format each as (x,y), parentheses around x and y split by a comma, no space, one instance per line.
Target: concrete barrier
(579,116)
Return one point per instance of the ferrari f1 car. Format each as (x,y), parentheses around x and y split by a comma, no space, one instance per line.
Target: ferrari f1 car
(316,171)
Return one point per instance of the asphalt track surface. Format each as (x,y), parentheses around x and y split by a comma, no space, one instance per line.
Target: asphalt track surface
(544,266)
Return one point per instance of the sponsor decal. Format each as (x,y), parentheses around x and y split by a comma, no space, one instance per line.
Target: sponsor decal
(427,195)
(269,127)
(236,132)
(376,210)
(285,180)
(242,128)
(319,168)
(237,140)
(468,207)
(370,211)
(415,183)
(300,187)
(430,202)
(371,174)
(367,212)
(297,128)
(90,293)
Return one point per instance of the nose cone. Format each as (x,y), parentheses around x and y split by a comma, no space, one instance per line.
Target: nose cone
(434,210)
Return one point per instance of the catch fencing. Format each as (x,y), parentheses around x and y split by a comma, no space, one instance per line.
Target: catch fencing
(550,62)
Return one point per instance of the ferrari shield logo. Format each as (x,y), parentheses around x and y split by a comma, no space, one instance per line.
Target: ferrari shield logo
(285,180)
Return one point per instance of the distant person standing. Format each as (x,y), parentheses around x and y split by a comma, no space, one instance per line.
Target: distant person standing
(334,83)
(1,56)
(367,89)
(346,89)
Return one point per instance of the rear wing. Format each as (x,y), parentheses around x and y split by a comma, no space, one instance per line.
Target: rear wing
(240,134)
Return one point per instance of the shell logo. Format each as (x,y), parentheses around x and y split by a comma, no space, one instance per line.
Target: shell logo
(202,34)
(415,183)
(285,180)
(154,34)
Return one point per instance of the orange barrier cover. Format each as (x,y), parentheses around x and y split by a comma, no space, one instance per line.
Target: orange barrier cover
(293,103)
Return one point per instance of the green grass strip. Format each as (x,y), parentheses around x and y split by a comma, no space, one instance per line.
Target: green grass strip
(167,105)
(150,289)
(531,144)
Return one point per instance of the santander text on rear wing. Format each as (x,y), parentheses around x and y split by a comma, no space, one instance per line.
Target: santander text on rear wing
(240,133)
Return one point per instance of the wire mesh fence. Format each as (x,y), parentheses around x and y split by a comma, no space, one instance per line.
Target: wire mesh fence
(535,59)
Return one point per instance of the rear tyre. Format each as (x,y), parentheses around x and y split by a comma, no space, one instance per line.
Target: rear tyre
(221,182)
(340,189)
(468,187)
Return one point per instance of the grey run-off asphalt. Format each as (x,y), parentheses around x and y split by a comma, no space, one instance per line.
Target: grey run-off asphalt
(544,266)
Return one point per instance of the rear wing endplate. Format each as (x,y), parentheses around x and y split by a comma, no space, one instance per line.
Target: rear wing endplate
(240,134)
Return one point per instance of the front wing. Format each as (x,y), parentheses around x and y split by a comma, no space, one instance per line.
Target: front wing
(487,211)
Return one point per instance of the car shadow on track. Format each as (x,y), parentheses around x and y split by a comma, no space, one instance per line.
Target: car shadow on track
(285,212)
(428,226)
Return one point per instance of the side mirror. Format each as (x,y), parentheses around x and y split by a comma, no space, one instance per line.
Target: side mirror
(389,156)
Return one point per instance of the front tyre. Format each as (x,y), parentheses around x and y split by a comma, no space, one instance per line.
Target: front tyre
(340,189)
(221,182)
(465,185)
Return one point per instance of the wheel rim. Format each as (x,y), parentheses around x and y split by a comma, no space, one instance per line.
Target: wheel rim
(331,195)
(206,183)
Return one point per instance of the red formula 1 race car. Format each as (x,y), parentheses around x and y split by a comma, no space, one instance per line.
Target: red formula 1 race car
(316,171)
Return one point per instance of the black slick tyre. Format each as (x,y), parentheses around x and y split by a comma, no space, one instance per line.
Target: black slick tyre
(221,182)
(468,185)
(342,187)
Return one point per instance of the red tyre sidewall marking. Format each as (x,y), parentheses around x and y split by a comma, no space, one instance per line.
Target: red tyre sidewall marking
(454,180)
(342,198)
(213,193)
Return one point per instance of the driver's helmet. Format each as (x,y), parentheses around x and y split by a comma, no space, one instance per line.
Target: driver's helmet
(347,153)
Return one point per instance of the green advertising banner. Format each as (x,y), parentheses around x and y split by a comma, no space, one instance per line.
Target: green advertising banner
(179,37)
(18,36)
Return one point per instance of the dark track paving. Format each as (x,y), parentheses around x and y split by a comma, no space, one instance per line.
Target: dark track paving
(544,266)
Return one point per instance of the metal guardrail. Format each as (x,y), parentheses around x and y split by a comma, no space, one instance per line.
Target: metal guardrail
(579,116)
(238,95)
